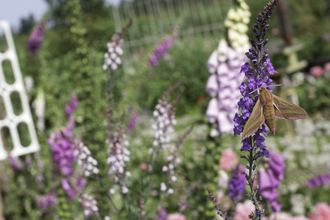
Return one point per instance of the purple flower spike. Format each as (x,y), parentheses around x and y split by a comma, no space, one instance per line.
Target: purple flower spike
(132,122)
(69,109)
(47,201)
(69,191)
(236,185)
(162,214)
(35,39)
(160,51)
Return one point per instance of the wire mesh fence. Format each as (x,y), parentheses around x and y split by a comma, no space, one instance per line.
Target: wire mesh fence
(153,19)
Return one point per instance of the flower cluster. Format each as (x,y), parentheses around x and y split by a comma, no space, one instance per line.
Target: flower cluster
(35,39)
(162,214)
(257,76)
(47,201)
(132,121)
(243,209)
(228,160)
(175,216)
(111,58)
(319,180)
(224,64)
(61,142)
(160,51)
(89,205)
(236,184)
(62,151)
(15,163)
(163,122)
(236,22)
(70,191)
(271,178)
(85,160)
(118,156)
(322,212)
(71,107)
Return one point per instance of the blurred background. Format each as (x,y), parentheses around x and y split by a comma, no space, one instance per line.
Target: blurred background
(67,60)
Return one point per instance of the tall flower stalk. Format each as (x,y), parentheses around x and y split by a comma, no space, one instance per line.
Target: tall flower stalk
(257,76)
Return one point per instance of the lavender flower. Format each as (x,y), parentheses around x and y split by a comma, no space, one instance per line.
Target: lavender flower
(236,184)
(85,160)
(35,39)
(132,122)
(15,163)
(257,76)
(271,178)
(161,49)
(223,84)
(47,201)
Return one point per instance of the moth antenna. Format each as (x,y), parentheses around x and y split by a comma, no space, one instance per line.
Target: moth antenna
(265,87)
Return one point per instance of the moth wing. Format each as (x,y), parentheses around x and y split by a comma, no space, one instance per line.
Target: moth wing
(256,119)
(288,110)
(278,113)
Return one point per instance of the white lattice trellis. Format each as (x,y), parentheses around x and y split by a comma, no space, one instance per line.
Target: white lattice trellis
(11,120)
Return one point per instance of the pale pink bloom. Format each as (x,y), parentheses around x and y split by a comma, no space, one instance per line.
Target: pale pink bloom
(228,160)
(175,216)
(316,71)
(327,67)
(322,212)
(284,216)
(243,210)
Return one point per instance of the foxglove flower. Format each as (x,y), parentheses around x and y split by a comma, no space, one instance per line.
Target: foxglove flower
(161,49)
(35,39)
(69,109)
(228,160)
(62,152)
(236,184)
(322,212)
(162,214)
(15,163)
(62,146)
(89,205)
(47,201)
(223,84)
(85,160)
(318,180)
(271,178)
(236,22)
(118,156)
(243,210)
(112,57)
(132,122)
(162,124)
(39,105)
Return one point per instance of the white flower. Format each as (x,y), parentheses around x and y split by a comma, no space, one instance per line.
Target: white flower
(124,190)
(112,191)
(164,169)
(173,178)
(170,191)
(163,187)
